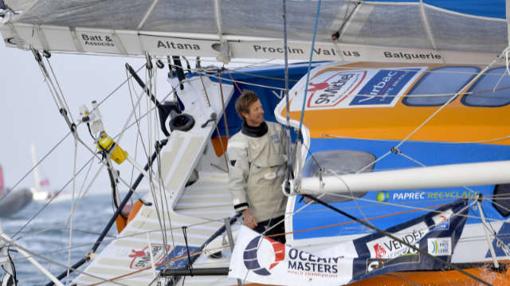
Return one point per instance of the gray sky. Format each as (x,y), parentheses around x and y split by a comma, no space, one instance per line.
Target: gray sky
(28,114)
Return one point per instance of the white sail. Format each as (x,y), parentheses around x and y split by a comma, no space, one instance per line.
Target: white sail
(423,31)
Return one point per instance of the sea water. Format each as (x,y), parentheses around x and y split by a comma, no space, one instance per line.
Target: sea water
(47,235)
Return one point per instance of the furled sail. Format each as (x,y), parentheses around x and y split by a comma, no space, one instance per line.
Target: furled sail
(430,31)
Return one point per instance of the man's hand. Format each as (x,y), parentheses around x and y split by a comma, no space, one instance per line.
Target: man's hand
(248,219)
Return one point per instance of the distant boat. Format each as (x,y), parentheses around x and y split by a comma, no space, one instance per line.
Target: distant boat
(12,202)
(41,184)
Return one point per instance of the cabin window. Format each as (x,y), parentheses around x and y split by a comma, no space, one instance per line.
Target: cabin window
(501,199)
(338,162)
(491,90)
(439,85)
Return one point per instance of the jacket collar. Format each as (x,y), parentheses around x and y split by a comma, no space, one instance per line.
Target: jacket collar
(258,131)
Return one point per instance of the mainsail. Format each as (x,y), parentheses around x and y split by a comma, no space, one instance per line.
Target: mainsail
(359,119)
(428,31)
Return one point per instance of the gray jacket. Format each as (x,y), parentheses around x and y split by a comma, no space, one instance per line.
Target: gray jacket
(257,170)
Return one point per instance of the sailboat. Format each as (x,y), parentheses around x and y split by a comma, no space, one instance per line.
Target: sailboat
(400,163)
(41,184)
(12,201)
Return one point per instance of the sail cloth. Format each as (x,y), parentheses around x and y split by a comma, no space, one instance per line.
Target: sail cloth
(428,31)
(263,260)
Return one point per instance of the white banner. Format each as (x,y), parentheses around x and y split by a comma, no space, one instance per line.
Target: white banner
(260,259)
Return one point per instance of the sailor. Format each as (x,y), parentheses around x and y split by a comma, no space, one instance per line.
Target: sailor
(257,162)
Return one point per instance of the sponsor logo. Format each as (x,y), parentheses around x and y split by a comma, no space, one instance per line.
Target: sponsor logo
(309,264)
(267,49)
(382,197)
(386,247)
(97,40)
(442,220)
(414,196)
(142,258)
(331,88)
(260,266)
(440,246)
(412,56)
(171,45)
(384,88)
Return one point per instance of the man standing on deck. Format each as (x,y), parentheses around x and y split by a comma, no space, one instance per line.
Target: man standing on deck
(257,158)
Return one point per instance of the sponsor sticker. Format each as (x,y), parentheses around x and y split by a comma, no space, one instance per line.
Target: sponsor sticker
(331,88)
(440,246)
(442,220)
(363,88)
(384,88)
(385,196)
(142,258)
(176,258)
(386,247)
(263,260)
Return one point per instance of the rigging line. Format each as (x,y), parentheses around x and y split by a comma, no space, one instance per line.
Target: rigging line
(406,206)
(192,254)
(137,111)
(61,106)
(469,189)
(36,165)
(437,111)
(235,83)
(94,155)
(255,75)
(205,92)
(164,201)
(50,200)
(164,197)
(491,140)
(83,184)
(51,251)
(92,181)
(309,229)
(289,173)
(49,260)
(423,165)
(499,81)
(59,88)
(117,212)
(392,236)
(345,223)
(71,215)
(243,82)
(56,145)
(282,221)
(149,104)
(223,107)
(335,174)
(432,227)
(161,217)
(134,114)
(99,103)
(46,77)
(316,24)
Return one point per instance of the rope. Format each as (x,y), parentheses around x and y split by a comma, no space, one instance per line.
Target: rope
(312,48)
(71,215)
(392,236)
(49,260)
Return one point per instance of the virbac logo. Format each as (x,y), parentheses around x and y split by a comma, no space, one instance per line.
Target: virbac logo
(261,264)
